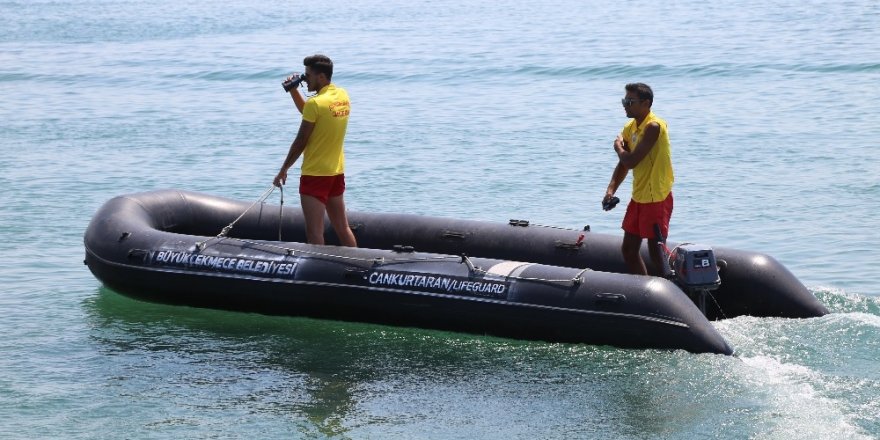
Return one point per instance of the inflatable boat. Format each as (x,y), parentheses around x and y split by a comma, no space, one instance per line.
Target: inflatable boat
(511,279)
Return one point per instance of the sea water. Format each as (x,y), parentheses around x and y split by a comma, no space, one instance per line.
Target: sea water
(476,110)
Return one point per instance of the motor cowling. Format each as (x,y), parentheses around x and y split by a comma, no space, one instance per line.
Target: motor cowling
(695,267)
(695,270)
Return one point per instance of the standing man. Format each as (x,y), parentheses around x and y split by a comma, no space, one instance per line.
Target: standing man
(320,141)
(643,146)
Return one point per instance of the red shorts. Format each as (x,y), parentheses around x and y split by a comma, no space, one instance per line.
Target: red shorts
(640,218)
(322,187)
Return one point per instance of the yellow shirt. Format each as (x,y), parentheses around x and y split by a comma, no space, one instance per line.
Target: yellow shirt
(328,110)
(652,177)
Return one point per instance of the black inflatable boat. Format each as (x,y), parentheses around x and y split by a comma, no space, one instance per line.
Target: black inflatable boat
(508,279)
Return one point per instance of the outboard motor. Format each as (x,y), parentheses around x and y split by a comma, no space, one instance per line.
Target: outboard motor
(694,270)
(692,267)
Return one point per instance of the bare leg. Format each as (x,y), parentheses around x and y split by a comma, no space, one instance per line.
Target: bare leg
(339,220)
(313,212)
(630,248)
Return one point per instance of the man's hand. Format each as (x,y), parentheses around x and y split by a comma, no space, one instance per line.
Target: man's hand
(619,144)
(609,202)
(280,179)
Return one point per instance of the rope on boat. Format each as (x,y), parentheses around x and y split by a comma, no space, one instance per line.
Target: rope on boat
(577,280)
(280,212)
(716,304)
(526,223)
(223,233)
(380,261)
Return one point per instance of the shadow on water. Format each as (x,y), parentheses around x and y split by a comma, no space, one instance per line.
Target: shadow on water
(329,377)
(303,368)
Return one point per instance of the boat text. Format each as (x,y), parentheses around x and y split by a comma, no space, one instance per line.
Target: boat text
(439,283)
(224,264)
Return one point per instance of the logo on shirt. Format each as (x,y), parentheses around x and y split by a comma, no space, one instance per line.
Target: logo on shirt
(339,109)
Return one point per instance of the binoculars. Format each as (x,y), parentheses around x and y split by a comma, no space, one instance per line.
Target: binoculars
(609,204)
(293,83)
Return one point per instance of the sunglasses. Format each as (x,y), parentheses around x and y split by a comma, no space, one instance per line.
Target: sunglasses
(629,101)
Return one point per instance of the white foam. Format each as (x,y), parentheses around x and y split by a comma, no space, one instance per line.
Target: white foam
(859,317)
(796,408)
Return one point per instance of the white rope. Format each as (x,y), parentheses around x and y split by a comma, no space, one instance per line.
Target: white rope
(381,261)
(201,245)
(280,212)
(375,261)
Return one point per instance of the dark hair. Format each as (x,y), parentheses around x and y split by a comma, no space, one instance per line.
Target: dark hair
(643,90)
(320,64)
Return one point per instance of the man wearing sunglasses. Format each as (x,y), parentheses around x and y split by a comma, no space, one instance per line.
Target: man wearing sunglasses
(643,146)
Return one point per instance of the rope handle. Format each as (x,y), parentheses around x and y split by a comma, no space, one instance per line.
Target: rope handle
(225,231)
(463,258)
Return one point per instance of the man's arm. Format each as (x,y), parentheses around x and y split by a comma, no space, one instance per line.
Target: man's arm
(630,159)
(296,149)
(617,177)
(298,99)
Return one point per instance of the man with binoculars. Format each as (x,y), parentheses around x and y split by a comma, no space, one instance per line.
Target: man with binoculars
(320,141)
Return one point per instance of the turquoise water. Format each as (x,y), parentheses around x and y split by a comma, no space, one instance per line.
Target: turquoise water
(485,111)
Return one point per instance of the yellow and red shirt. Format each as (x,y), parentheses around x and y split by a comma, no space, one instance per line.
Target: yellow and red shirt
(652,177)
(328,110)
